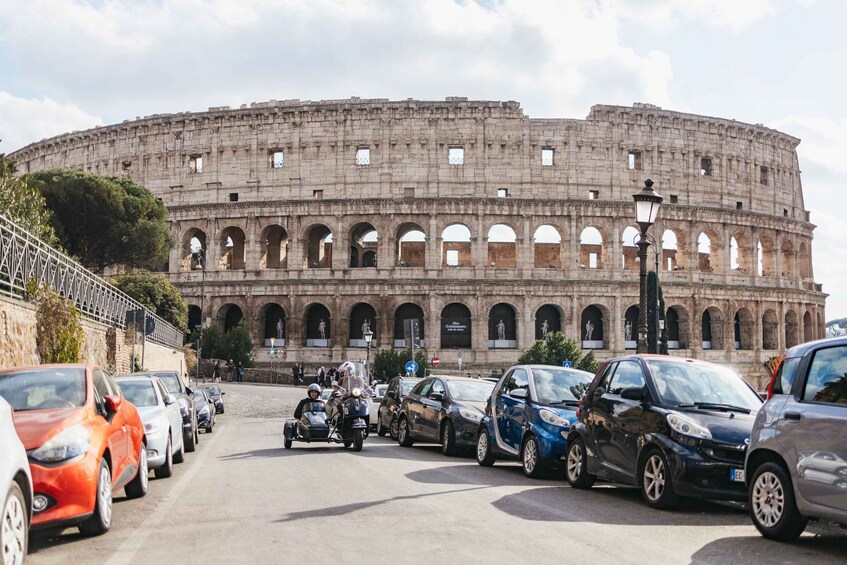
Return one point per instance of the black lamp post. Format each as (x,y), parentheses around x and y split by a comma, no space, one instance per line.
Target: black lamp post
(368,335)
(647,203)
(201,260)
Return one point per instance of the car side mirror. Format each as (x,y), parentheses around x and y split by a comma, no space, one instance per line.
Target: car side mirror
(518,393)
(436,396)
(223,393)
(170,399)
(113,403)
(598,392)
(636,393)
(189,391)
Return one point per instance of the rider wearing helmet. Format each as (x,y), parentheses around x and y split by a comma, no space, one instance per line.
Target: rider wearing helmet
(312,394)
(349,378)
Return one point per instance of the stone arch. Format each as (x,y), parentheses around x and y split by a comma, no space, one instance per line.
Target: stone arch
(405,315)
(456,246)
(743,324)
(364,243)
(673,250)
(765,258)
(318,247)
(677,326)
(232,248)
(272,320)
(362,315)
(502,327)
(708,251)
(739,254)
(411,245)
(792,336)
(711,328)
(456,327)
(547,247)
(629,248)
(552,315)
(502,247)
(787,256)
(593,335)
(318,326)
(631,321)
(230,315)
(274,247)
(804,262)
(193,241)
(808,330)
(195,317)
(592,251)
(770,330)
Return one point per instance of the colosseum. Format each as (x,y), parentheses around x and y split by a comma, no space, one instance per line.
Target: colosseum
(319,220)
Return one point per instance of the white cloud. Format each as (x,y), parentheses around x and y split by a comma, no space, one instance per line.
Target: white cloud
(25,120)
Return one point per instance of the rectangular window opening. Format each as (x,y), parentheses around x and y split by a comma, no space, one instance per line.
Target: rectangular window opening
(593,194)
(408,192)
(706,167)
(126,169)
(452,257)
(674,198)
(456,155)
(592,261)
(547,156)
(233,197)
(195,164)
(785,212)
(502,193)
(363,156)
(634,160)
(318,194)
(739,205)
(763,175)
(276,158)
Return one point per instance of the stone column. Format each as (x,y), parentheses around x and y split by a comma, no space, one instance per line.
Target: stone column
(525,256)
(479,327)
(252,245)
(340,246)
(432,323)
(526,328)
(615,233)
(386,255)
(433,245)
(213,245)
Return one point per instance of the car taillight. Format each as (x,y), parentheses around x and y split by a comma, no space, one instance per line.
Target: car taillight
(773,378)
(579,409)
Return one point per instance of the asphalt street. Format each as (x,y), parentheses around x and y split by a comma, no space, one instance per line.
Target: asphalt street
(242,498)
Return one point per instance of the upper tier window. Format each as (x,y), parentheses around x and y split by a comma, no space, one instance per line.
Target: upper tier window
(456,156)
(363,155)
(195,164)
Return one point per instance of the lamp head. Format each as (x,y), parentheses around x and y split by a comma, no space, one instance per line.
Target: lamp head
(647,203)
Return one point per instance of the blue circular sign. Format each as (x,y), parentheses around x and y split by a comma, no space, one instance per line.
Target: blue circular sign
(411,367)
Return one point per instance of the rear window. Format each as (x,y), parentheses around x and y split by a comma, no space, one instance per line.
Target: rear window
(785,375)
(406,387)
(44,389)
(171,381)
(140,393)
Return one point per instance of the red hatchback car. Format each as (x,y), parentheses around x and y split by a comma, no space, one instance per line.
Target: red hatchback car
(83,441)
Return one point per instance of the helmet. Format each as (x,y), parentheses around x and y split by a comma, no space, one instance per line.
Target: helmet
(347,366)
(313,388)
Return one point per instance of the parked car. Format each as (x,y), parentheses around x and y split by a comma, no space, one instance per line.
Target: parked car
(797,461)
(205,408)
(15,490)
(84,441)
(386,416)
(162,422)
(376,402)
(529,415)
(177,387)
(444,410)
(326,393)
(671,426)
(217,396)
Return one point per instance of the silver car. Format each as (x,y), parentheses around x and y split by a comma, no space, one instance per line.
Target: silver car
(15,490)
(162,421)
(796,464)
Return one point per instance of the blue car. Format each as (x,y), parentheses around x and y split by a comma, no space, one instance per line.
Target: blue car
(528,416)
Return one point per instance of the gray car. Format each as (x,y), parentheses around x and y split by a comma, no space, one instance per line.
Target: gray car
(162,421)
(796,466)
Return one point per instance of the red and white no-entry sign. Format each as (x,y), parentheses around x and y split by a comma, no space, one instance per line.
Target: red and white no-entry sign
(436,361)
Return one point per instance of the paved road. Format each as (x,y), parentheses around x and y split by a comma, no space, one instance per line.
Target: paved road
(242,498)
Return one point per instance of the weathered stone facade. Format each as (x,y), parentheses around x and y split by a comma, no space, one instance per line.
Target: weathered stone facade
(262,188)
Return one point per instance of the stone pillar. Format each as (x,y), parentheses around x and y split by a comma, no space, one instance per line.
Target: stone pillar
(615,233)
(432,323)
(616,327)
(479,325)
(433,245)
(526,328)
(175,254)
(295,253)
(340,246)
(252,245)
(213,246)
(525,256)
(386,255)
(479,245)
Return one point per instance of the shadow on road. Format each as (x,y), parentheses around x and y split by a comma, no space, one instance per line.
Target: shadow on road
(827,548)
(499,476)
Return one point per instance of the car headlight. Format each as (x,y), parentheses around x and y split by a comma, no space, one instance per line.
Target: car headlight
(553,419)
(687,427)
(357,392)
(183,403)
(67,444)
(470,414)
(204,411)
(153,428)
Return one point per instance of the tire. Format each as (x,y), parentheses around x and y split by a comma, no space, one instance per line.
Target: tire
(576,466)
(773,507)
(189,443)
(404,438)
(394,429)
(348,443)
(380,429)
(179,456)
(358,440)
(100,522)
(211,427)
(223,410)
(196,431)
(531,463)
(484,456)
(448,439)
(14,526)
(167,469)
(656,482)
(137,487)
(287,443)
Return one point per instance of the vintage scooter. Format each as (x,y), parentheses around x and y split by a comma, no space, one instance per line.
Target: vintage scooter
(345,423)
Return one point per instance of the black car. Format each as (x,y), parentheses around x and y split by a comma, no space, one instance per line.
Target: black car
(671,426)
(444,410)
(176,386)
(398,388)
(205,408)
(216,394)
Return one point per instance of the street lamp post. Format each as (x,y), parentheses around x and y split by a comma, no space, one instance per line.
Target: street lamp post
(647,203)
(368,335)
(272,354)
(201,260)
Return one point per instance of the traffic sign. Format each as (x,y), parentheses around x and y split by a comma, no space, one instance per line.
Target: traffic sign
(411,367)
(436,361)
(566,364)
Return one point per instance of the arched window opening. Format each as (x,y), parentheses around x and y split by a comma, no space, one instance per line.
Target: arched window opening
(770,331)
(193,250)
(591,324)
(362,318)
(792,336)
(232,249)
(409,325)
(274,248)
(456,246)
(591,254)
(319,248)
(455,327)
(411,246)
(547,247)
(364,242)
(629,249)
(502,247)
(502,327)
(743,324)
(273,322)
(630,328)
(318,325)
(704,253)
(547,319)
(673,256)
(230,315)
(712,329)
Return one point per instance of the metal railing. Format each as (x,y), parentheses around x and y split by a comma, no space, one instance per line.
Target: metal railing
(25,258)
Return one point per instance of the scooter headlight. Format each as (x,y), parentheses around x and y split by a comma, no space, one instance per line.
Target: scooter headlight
(357,392)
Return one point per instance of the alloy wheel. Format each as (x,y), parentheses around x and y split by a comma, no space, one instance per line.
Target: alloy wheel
(574,462)
(104,494)
(482,447)
(768,499)
(14,531)
(530,456)
(654,477)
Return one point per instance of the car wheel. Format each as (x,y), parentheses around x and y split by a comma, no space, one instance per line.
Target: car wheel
(167,469)
(287,443)
(380,429)
(484,456)
(404,438)
(196,432)
(448,439)
(394,429)
(211,427)
(576,466)
(14,529)
(773,508)
(358,440)
(531,462)
(179,456)
(101,520)
(137,487)
(190,441)
(656,482)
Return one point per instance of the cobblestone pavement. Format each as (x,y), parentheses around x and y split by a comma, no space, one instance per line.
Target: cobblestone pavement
(257,401)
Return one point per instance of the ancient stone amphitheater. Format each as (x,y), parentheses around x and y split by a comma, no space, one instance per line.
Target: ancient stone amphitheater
(319,220)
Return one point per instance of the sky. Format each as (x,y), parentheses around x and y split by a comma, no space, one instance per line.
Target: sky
(69,65)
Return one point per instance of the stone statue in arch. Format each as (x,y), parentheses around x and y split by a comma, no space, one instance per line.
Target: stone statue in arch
(545,327)
(322,328)
(589,330)
(628,330)
(366,325)
(501,331)
(279,329)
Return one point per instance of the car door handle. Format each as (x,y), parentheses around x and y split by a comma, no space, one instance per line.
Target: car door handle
(793,416)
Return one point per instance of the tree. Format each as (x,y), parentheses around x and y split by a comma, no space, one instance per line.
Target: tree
(234,344)
(393,362)
(156,293)
(22,203)
(59,334)
(105,221)
(554,349)
(835,328)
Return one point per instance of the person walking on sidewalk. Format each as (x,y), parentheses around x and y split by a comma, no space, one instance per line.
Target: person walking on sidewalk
(296,374)
(302,375)
(240,372)
(217,371)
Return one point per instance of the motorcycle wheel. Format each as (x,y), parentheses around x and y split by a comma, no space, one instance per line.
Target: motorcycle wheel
(287,443)
(358,440)
(348,443)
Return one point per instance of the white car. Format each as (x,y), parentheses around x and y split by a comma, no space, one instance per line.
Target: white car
(376,400)
(159,412)
(15,490)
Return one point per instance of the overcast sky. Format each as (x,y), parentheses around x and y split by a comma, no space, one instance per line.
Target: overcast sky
(68,65)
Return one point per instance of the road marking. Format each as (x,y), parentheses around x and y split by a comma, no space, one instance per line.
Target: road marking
(133,544)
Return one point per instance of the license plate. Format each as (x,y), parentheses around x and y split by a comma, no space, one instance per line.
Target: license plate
(736,475)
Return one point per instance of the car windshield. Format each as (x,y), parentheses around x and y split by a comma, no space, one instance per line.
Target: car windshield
(701,383)
(140,393)
(44,389)
(213,390)
(559,385)
(326,393)
(171,382)
(470,391)
(198,395)
(407,386)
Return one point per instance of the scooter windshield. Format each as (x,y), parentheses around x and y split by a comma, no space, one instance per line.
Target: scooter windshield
(315,406)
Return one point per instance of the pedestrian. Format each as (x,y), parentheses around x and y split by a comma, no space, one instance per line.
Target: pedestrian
(240,372)
(302,378)
(321,376)
(217,370)
(230,370)
(296,374)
